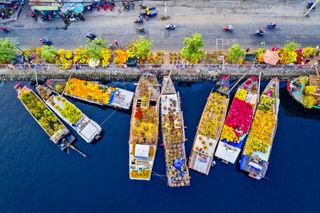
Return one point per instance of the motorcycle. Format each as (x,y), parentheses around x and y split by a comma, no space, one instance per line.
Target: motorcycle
(271,26)
(5,29)
(228,28)
(139,20)
(141,30)
(171,27)
(45,41)
(91,36)
(259,33)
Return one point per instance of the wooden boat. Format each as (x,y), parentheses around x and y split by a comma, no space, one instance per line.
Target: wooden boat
(210,127)
(92,92)
(257,150)
(70,114)
(173,135)
(49,122)
(144,128)
(238,121)
(305,90)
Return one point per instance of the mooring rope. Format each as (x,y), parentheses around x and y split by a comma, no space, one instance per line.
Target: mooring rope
(109,117)
(160,176)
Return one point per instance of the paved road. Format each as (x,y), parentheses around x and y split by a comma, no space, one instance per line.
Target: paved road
(122,28)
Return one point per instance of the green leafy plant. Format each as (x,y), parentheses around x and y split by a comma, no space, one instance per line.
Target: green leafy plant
(235,53)
(48,53)
(141,47)
(95,47)
(291,45)
(7,51)
(192,48)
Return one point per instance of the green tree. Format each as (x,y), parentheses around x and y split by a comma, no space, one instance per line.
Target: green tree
(48,53)
(7,51)
(235,53)
(291,45)
(192,48)
(95,46)
(141,47)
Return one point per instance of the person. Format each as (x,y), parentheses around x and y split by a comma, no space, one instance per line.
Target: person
(230,27)
(81,17)
(91,36)
(309,5)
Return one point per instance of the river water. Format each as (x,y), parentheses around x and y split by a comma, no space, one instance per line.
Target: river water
(35,176)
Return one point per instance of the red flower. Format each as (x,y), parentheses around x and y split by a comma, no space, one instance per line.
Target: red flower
(240,116)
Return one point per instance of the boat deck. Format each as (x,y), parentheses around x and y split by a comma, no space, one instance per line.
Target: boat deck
(229,151)
(255,162)
(144,128)
(210,127)
(84,126)
(93,92)
(173,136)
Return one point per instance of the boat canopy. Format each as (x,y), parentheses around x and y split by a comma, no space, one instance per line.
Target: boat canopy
(142,151)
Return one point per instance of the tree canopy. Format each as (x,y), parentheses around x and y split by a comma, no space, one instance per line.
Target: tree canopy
(48,53)
(192,48)
(7,51)
(235,53)
(95,47)
(141,47)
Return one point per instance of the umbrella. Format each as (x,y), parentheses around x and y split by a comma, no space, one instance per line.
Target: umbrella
(271,57)
(78,8)
(94,62)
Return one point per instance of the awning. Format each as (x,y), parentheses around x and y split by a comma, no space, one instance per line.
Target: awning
(46,8)
(142,151)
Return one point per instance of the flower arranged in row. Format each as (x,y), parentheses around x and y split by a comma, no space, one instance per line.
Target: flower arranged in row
(39,110)
(213,115)
(89,90)
(262,127)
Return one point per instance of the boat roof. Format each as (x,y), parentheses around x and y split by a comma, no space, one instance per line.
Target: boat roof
(122,98)
(89,131)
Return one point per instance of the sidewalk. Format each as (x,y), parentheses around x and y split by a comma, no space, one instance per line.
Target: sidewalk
(234,10)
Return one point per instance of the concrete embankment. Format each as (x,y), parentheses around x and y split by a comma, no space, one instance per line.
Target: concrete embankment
(182,74)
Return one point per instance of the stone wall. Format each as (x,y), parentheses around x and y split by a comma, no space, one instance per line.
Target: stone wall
(183,74)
